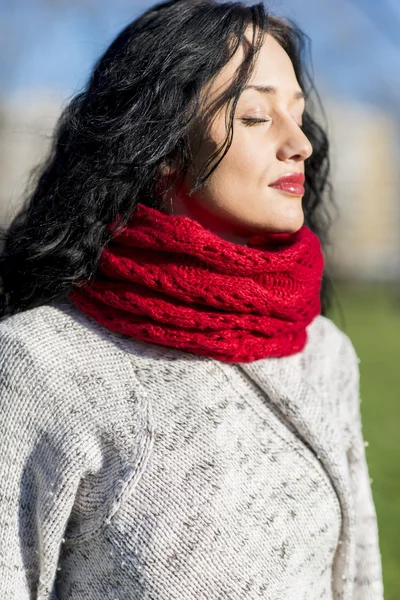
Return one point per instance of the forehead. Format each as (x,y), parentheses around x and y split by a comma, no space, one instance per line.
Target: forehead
(272,67)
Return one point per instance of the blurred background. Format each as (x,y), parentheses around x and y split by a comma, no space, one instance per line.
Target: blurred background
(47,49)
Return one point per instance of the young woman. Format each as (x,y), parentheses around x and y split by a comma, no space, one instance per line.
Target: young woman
(179,417)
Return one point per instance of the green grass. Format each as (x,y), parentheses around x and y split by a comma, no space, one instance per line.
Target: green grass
(372,316)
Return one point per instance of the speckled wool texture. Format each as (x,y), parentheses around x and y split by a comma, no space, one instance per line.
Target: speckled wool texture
(131,470)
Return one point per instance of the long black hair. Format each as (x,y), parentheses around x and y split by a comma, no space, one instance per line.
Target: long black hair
(135,114)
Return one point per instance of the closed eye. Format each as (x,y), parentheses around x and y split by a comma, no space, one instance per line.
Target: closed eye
(249,121)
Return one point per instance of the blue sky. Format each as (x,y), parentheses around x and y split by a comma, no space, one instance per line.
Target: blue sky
(355,45)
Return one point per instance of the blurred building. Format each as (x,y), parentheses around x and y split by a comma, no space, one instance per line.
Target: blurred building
(366,236)
(26,124)
(367,184)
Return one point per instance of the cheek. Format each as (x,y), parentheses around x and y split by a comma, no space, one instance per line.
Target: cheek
(247,167)
(249,159)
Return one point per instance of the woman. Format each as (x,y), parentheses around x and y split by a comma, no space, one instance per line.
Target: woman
(179,417)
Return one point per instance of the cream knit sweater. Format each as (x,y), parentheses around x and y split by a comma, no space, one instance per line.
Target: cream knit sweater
(133,471)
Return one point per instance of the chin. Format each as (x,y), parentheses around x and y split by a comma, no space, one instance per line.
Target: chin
(291,228)
(285,217)
(285,226)
(290,225)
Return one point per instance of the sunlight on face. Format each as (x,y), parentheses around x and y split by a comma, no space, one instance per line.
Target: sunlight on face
(237,200)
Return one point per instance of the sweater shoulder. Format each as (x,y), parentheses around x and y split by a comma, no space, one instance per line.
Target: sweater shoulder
(78,393)
(52,333)
(333,363)
(327,340)
(65,348)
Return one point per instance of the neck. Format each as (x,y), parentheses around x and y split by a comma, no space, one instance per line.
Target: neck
(181,204)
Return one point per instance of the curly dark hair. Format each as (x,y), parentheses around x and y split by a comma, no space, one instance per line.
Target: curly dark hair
(135,114)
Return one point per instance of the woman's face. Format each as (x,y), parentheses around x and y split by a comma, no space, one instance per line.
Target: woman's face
(237,200)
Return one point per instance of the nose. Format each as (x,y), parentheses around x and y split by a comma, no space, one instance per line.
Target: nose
(293,143)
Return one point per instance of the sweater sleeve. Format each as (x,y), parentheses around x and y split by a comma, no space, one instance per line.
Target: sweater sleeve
(38,478)
(75,435)
(368,583)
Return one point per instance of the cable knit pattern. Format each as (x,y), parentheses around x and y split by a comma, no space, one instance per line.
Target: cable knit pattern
(131,470)
(168,280)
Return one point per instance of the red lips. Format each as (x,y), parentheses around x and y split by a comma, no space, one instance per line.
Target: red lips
(291,183)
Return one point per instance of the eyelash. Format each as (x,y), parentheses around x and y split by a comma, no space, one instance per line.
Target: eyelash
(248,121)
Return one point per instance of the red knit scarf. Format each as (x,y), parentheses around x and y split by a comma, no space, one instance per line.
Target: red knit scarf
(168,280)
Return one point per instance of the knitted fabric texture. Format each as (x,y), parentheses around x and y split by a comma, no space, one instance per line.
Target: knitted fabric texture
(168,280)
(135,471)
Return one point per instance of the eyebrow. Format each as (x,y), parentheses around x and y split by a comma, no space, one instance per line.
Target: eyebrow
(269,89)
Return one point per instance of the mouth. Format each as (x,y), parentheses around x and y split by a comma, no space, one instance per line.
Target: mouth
(291,183)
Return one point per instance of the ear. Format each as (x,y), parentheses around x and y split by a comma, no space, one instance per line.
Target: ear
(168,169)
(165,175)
